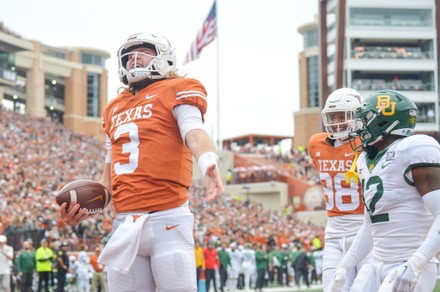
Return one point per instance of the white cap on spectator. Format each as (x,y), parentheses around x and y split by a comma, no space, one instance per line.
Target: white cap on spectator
(3,238)
(284,245)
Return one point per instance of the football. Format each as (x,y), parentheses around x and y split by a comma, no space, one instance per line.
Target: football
(89,194)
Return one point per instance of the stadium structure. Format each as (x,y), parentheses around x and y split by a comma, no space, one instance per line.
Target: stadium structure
(370,45)
(67,85)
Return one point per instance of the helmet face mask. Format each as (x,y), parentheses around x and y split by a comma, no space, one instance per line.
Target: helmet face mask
(160,65)
(338,123)
(383,113)
(338,113)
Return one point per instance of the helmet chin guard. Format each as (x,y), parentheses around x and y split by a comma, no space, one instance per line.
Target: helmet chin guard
(163,63)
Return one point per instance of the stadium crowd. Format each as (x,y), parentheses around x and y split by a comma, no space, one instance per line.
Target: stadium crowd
(265,163)
(38,157)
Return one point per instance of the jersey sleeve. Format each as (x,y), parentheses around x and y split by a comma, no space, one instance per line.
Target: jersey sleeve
(191,91)
(314,147)
(422,150)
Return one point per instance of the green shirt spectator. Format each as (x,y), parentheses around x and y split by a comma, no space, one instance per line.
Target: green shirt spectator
(283,256)
(224,258)
(262,259)
(295,253)
(26,261)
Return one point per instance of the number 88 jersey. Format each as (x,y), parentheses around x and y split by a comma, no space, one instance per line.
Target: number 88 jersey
(343,200)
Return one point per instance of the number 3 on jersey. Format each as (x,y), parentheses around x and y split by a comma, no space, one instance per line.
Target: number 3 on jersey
(338,197)
(131,147)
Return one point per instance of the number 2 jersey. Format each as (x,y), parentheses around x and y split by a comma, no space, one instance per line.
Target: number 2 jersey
(343,200)
(399,219)
(151,168)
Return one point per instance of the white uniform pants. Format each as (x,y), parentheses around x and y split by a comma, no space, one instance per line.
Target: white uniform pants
(165,259)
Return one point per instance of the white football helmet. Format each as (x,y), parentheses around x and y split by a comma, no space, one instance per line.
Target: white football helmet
(337,114)
(164,62)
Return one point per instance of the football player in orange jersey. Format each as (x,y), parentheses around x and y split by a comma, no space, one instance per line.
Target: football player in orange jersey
(153,129)
(333,156)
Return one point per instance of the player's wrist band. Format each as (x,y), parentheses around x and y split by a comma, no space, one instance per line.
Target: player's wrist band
(207,159)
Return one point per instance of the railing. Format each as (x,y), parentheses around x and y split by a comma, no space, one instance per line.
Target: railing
(404,85)
(366,52)
(8,74)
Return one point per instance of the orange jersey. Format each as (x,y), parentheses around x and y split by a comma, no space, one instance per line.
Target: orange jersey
(332,163)
(93,259)
(151,168)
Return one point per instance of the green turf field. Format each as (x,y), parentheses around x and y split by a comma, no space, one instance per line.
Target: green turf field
(437,286)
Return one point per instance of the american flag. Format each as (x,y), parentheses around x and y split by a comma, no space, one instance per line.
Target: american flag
(205,36)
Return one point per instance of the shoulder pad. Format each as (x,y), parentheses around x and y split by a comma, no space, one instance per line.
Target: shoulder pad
(416,141)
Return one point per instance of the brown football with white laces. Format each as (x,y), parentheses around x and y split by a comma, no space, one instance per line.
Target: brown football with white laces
(89,194)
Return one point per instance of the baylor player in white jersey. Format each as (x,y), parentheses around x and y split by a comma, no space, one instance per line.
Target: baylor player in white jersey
(400,176)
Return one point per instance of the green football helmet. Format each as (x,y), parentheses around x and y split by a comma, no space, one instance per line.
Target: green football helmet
(383,113)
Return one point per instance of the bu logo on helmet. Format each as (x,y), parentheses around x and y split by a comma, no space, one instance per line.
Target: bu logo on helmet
(385,106)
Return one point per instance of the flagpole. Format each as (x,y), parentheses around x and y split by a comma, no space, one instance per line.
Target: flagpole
(218,79)
(205,36)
